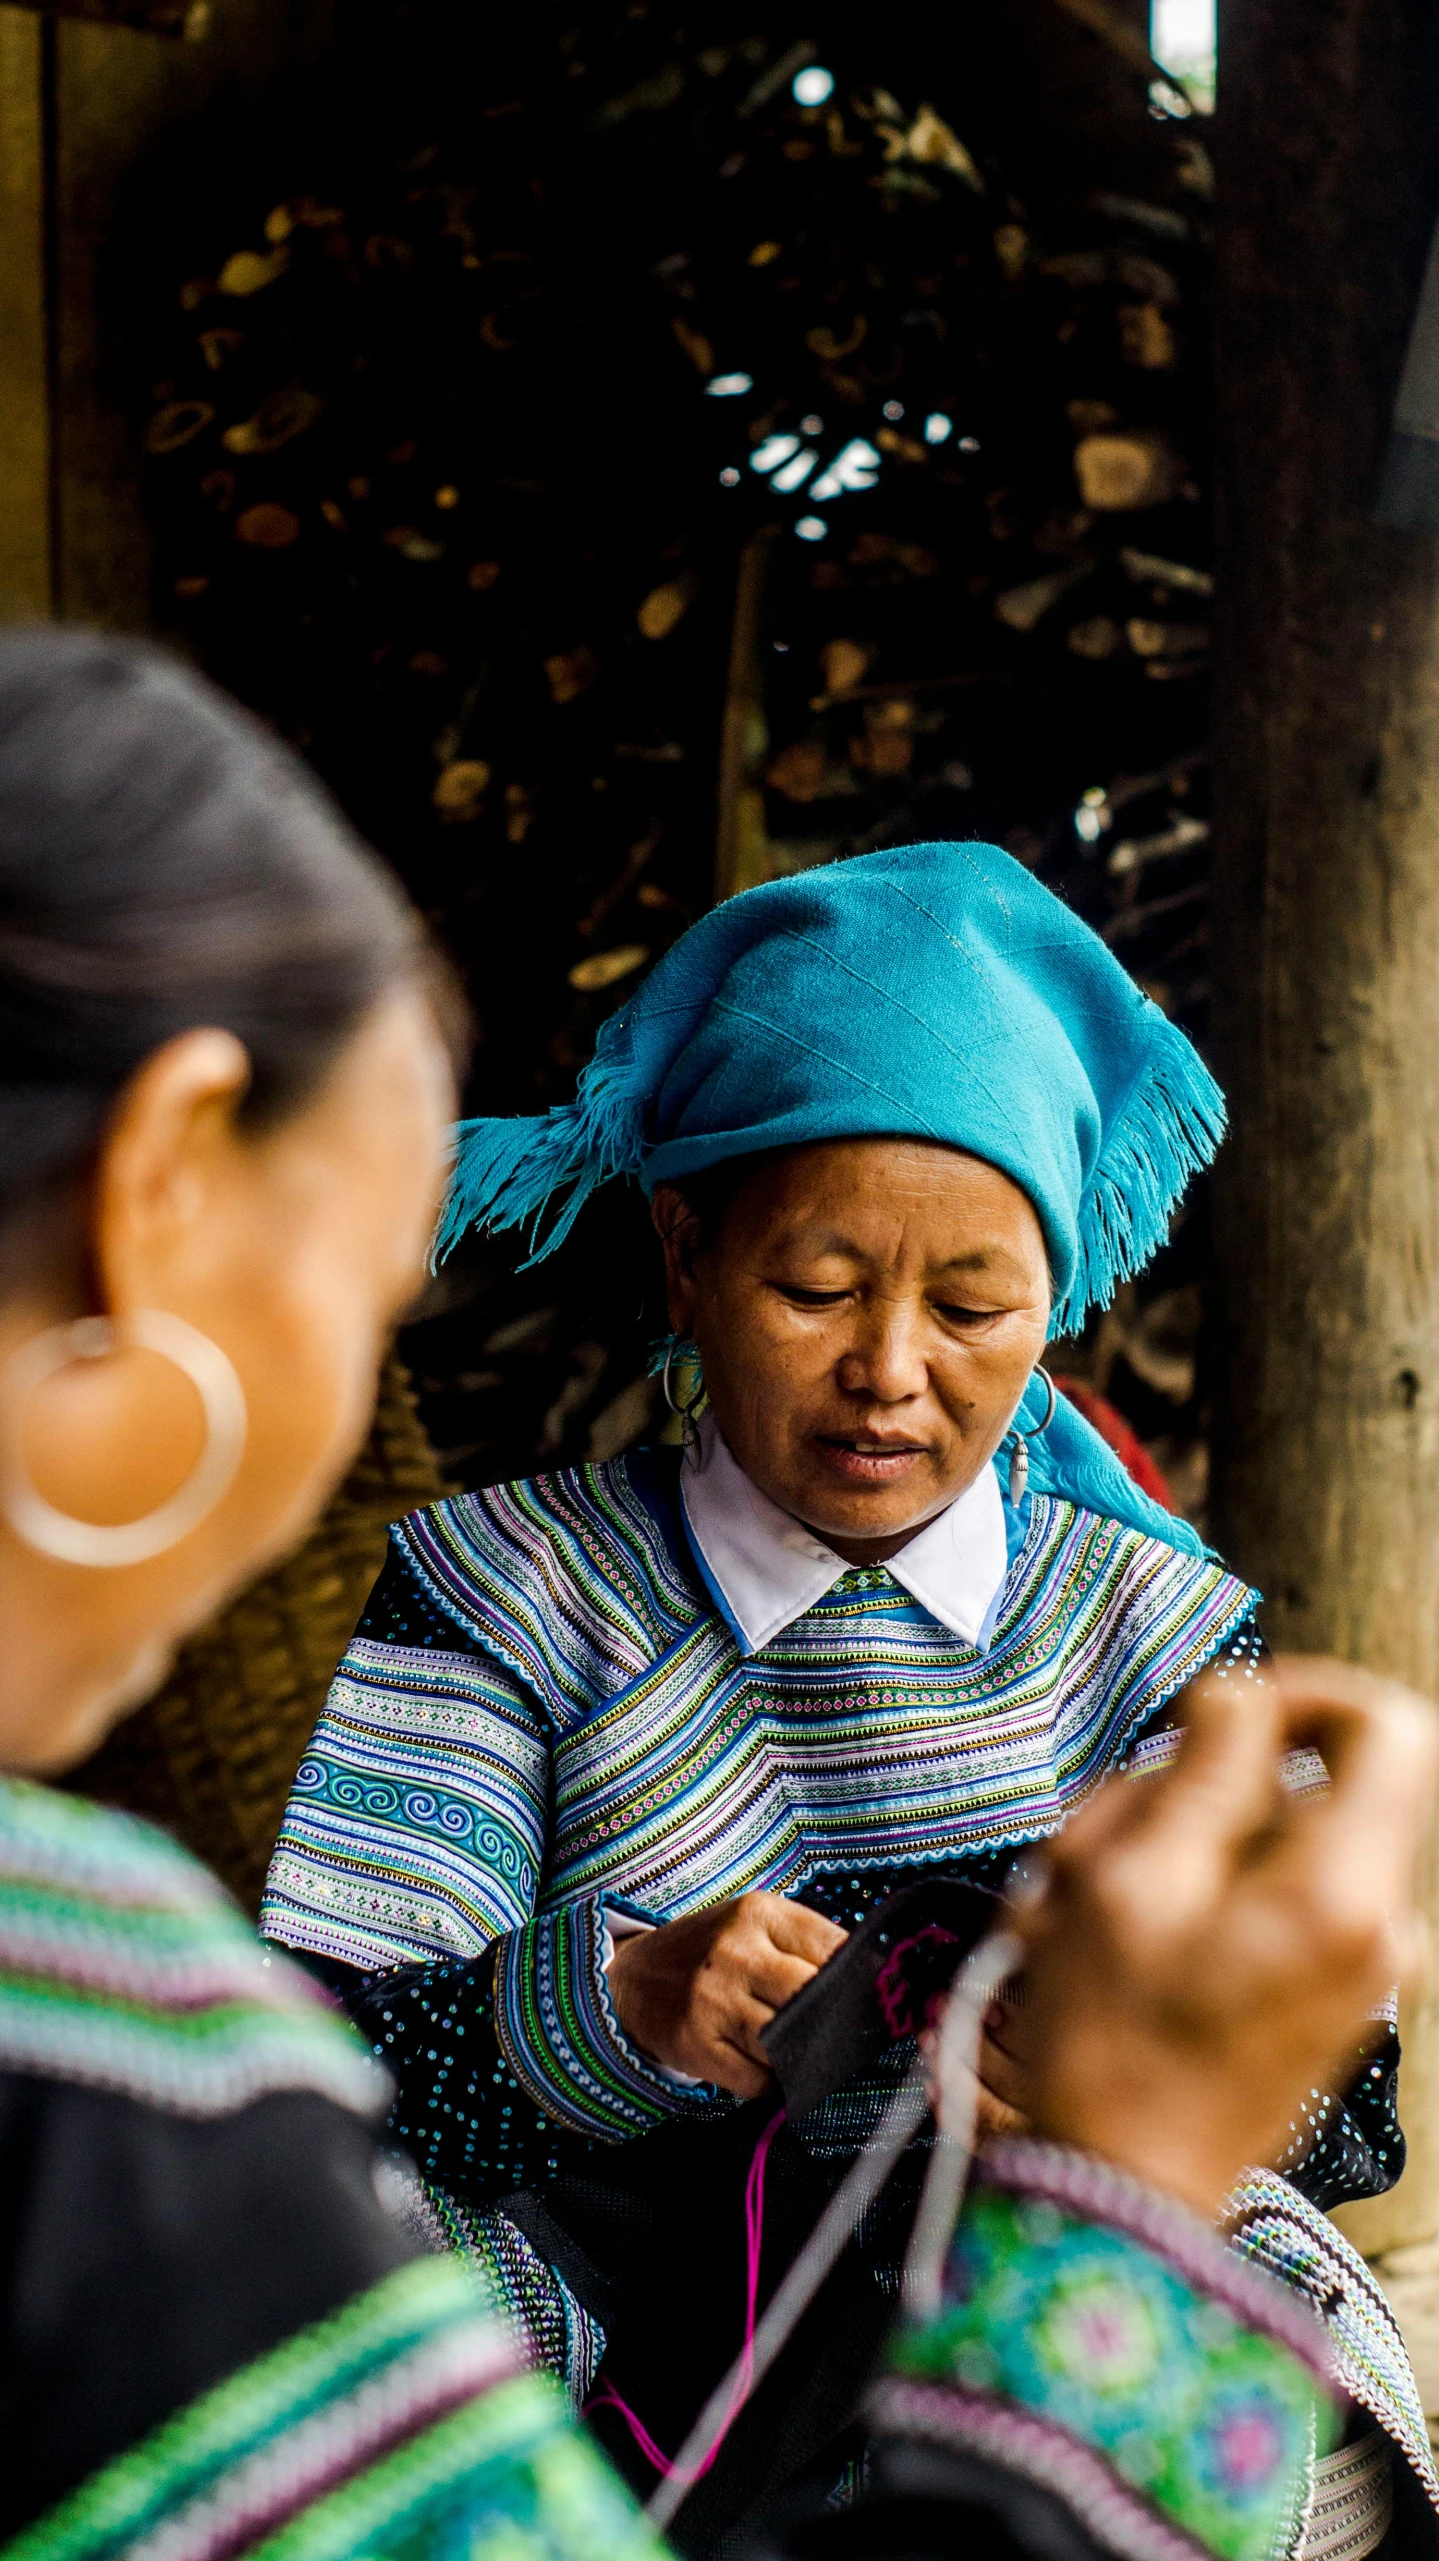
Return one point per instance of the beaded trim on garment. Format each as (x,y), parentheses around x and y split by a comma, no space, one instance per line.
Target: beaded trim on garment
(551,2329)
(124,1967)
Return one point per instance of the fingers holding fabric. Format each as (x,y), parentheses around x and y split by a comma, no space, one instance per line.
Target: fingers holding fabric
(696,1992)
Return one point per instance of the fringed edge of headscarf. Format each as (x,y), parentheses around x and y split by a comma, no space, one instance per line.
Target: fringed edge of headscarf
(1168,1131)
(506,1172)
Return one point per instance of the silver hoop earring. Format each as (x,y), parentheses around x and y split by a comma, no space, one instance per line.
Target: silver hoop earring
(685,1414)
(1019,1456)
(216,1382)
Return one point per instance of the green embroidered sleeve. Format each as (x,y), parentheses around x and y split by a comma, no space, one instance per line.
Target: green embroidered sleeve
(400,2427)
(1104,2343)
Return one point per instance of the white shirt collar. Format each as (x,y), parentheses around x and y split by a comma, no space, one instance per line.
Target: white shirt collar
(767,1569)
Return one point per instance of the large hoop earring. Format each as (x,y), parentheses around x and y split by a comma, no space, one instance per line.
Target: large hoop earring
(216,1382)
(685,1414)
(1019,1456)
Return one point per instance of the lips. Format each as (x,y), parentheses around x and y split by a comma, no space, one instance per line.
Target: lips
(872,1462)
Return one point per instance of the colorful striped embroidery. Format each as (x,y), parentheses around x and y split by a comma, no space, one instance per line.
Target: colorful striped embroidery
(550,2326)
(560,1716)
(124,1967)
(399,2425)
(1279,2230)
(558,2032)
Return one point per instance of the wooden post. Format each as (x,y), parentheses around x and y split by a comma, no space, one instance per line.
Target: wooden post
(25,567)
(1326,940)
(740,844)
(87,95)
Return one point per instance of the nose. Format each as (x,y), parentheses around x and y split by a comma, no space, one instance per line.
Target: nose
(885,1359)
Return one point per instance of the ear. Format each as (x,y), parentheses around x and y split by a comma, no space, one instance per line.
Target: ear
(678,1230)
(169,1144)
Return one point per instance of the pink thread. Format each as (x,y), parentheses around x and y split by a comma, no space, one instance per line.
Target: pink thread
(893,1992)
(609,2399)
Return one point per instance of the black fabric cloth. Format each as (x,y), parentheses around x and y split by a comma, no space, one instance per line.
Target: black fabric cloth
(1359,2150)
(146,2256)
(913,2502)
(667,2281)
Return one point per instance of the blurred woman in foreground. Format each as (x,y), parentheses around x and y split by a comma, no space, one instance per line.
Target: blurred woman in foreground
(223,1097)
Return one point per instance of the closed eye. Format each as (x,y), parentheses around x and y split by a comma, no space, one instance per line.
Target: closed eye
(811,1297)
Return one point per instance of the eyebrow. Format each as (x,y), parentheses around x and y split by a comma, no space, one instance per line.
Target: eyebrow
(978,1259)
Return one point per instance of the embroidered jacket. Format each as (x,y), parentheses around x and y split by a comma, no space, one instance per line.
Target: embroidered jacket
(544,1719)
(543,1716)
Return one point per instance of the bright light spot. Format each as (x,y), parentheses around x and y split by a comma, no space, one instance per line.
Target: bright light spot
(1093,814)
(1166,100)
(774,451)
(856,467)
(811,426)
(782,646)
(1184,37)
(792,474)
(811,528)
(728,386)
(937,427)
(729,477)
(811,87)
(969,444)
(894,411)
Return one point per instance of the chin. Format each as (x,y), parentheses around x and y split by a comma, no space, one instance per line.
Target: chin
(113,1696)
(883,1511)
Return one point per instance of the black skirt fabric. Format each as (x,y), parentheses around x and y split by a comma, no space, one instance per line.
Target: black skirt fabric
(146,2256)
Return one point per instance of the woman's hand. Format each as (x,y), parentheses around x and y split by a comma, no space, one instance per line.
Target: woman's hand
(1203,1950)
(1001,2089)
(695,1993)
(1003,2098)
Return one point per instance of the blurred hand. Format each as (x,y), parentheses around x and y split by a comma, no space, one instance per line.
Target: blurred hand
(1001,2090)
(695,1993)
(1203,1950)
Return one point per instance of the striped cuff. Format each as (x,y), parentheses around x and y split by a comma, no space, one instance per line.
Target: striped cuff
(560,2036)
(1100,2340)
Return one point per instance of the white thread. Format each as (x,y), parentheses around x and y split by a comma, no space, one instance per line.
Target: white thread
(978,1981)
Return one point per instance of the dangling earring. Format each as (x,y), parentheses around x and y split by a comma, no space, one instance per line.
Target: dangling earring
(686,1414)
(1019,1456)
(211,1373)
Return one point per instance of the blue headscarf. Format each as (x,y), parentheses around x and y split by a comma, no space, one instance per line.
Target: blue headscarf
(931,991)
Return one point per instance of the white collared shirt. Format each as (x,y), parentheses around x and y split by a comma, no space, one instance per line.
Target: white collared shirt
(766,1569)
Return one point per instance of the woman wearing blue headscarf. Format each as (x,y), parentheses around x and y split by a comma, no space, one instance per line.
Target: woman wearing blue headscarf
(619,1756)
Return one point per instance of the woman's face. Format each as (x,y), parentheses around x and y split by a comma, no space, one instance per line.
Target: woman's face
(867,1316)
(295,1248)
